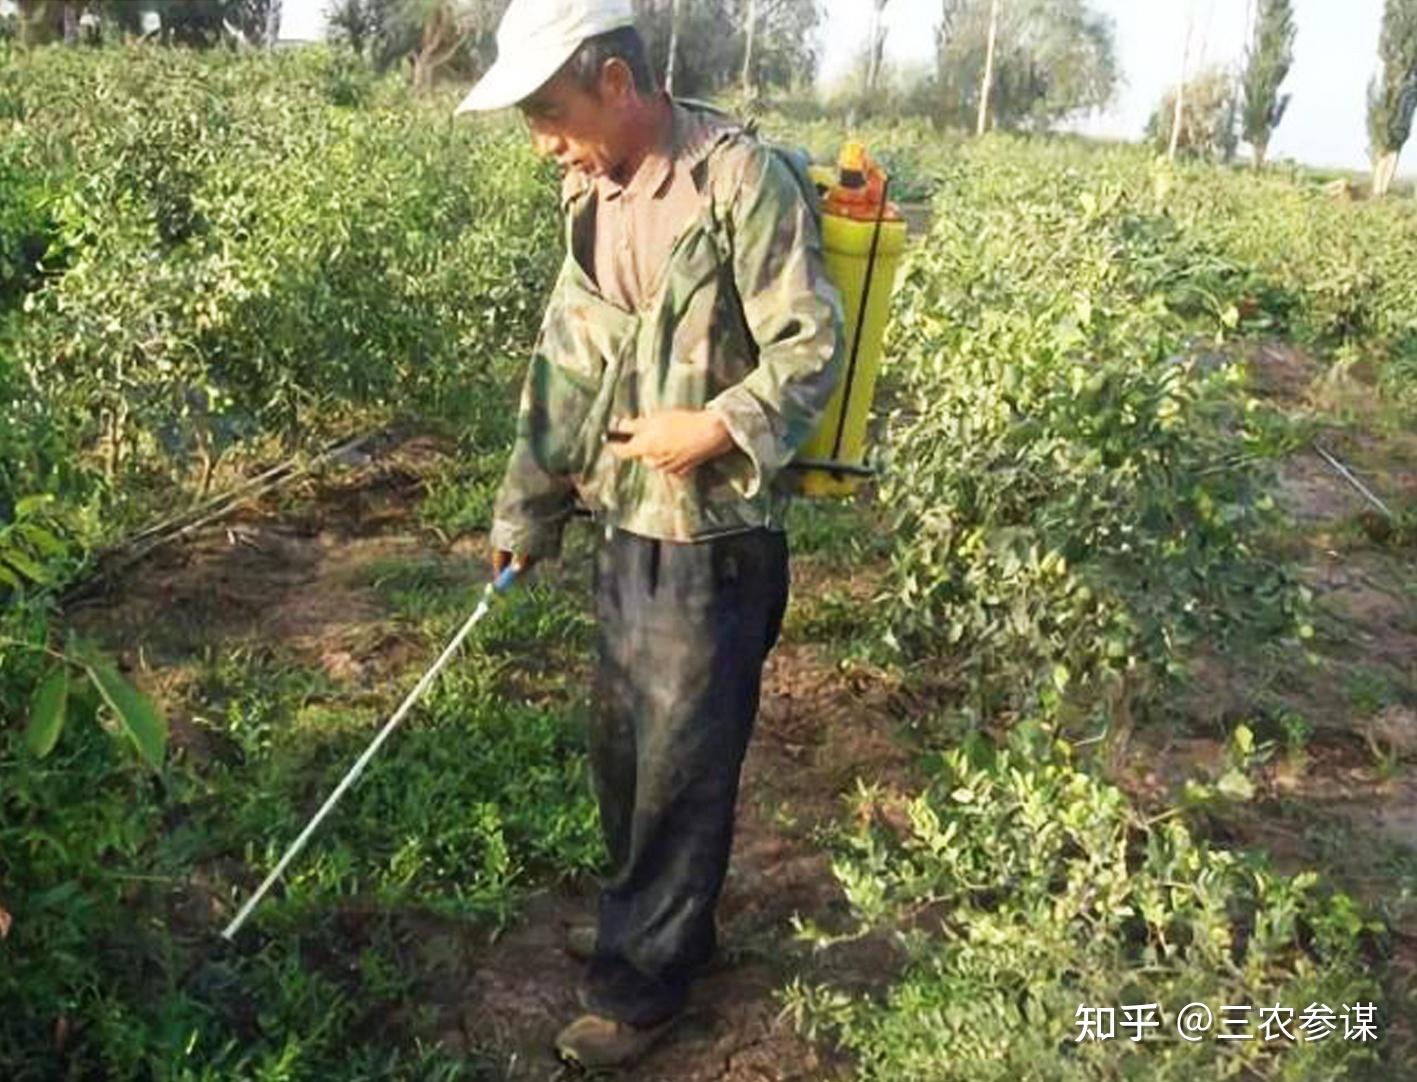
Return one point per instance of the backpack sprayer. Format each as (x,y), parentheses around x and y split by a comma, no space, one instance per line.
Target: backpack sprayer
(863,236)
(863,239)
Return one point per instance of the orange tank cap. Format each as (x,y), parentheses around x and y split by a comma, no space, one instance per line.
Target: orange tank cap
(860,186)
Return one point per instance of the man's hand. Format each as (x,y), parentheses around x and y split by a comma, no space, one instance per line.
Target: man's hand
(675,441)
(501,558)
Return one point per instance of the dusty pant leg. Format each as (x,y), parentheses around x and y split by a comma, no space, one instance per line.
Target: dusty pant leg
(683,633)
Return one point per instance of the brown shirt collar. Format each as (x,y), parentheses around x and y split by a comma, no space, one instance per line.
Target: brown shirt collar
(691,136)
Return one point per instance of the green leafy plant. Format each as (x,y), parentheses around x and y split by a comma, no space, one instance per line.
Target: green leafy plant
(213,294)
(31,546)
(1018,889)
(1070,506)
(133,713)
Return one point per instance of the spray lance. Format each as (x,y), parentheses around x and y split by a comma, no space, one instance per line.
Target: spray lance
(497,586)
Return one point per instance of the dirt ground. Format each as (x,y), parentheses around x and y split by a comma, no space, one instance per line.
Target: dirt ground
(1345,801)
(292,571)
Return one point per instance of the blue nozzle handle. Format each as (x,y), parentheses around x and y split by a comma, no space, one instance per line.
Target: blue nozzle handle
(503,582)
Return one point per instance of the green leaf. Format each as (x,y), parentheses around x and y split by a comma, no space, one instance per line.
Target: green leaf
(1244,739)
(43,540)
(24,565)
(30,504)
(140,719)
(47,709)
(1234,784)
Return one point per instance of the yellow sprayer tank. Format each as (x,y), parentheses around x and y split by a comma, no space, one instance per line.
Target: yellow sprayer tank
(864,237)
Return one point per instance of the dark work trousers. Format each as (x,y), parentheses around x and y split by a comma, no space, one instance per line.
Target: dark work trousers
(684,629)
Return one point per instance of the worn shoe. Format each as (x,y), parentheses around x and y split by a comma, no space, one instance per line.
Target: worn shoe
(593,1042)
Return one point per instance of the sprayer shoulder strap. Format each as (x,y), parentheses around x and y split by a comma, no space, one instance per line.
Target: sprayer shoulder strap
(726,175)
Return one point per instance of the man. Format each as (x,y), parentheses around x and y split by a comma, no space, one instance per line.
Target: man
(691,342)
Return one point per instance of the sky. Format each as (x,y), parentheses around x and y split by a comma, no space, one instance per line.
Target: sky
(1335,55)
(302,18)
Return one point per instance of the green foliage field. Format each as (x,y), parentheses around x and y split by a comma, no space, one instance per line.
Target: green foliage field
(208,258)
(232,248)
(1079,487)
(1078,474)
(1027,889)
(210,262)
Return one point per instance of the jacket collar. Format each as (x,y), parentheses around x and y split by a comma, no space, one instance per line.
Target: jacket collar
(695,131)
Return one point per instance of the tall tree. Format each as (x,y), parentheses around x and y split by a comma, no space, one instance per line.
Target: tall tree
(355,23)
(1052,59)
(787,42)
(673,45)
(1392,95)
(1179,94)
(777,40)
(750,32)
(1271,54)
(443,29)
(432,36)
(1207,117)
(876,47)
(42,21)
(988,88)
(711,51)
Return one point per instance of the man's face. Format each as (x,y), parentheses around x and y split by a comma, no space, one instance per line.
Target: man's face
(579,129)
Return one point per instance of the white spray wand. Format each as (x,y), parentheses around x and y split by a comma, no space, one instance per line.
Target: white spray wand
(497,586)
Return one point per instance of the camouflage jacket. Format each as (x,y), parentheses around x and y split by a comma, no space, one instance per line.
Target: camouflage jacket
(744,321)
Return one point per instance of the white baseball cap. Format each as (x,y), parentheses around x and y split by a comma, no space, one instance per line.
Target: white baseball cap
(534,39)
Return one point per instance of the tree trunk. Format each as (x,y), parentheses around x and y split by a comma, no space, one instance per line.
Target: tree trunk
(1261,152)
(442,37)
(71,22)
(748,47)
(272,34)
(877,48)
(673,46)
(987,89)
(1384,170)
(1181,88)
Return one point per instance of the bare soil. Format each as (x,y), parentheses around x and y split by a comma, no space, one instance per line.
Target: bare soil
(291,573)
(1345,799)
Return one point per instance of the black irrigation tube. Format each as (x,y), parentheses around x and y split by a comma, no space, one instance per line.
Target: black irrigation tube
(132,549)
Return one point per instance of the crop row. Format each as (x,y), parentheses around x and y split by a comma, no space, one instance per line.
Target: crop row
(232,248)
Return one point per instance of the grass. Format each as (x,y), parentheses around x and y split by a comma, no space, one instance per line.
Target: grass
(460,496)
(478,797)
